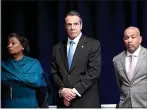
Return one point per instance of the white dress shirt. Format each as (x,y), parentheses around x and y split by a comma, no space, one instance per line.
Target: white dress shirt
(127,58)
(76,40)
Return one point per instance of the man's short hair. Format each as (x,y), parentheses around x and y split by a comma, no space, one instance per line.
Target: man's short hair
(75,13)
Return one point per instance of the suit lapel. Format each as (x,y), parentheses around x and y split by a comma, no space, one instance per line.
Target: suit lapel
(78,51)
(140,59)
(123,63)
(63,51)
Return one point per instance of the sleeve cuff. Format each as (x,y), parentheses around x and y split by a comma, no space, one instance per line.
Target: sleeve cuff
(75,91)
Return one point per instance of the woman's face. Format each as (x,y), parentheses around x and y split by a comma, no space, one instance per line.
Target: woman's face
(14,46)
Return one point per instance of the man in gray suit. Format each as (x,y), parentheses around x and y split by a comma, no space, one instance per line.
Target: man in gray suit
(131,70)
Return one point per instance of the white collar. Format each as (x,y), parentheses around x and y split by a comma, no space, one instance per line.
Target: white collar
(136,53)
(76,40)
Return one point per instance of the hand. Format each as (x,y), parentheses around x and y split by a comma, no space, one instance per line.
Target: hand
(68,94)
(66,103)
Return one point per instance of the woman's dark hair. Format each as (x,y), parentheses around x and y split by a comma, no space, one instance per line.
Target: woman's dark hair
(23,40)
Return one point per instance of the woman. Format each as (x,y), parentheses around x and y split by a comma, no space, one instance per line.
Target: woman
(20,75)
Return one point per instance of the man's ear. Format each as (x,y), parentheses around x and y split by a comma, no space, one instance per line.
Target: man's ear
(81,25)
(140,39)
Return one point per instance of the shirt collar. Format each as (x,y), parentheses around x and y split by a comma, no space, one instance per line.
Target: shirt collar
(76,40)
(136,53)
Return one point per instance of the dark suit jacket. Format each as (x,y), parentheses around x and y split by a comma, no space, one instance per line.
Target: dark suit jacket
(84,72)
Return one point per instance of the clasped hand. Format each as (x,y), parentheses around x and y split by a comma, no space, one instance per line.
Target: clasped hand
(68,95)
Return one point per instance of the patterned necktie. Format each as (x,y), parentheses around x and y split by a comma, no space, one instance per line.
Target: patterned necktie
(132,67)
(70,53)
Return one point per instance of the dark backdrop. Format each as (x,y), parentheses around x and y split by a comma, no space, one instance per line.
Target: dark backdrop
(42,22)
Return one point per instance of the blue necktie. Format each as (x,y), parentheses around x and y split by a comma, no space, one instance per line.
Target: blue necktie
(70,53)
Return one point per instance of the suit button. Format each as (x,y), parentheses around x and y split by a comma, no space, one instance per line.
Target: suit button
(68,77)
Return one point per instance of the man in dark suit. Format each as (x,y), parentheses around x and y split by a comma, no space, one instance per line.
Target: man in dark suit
(76,66)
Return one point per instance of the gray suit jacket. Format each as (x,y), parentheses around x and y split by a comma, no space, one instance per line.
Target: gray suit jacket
(132,93)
